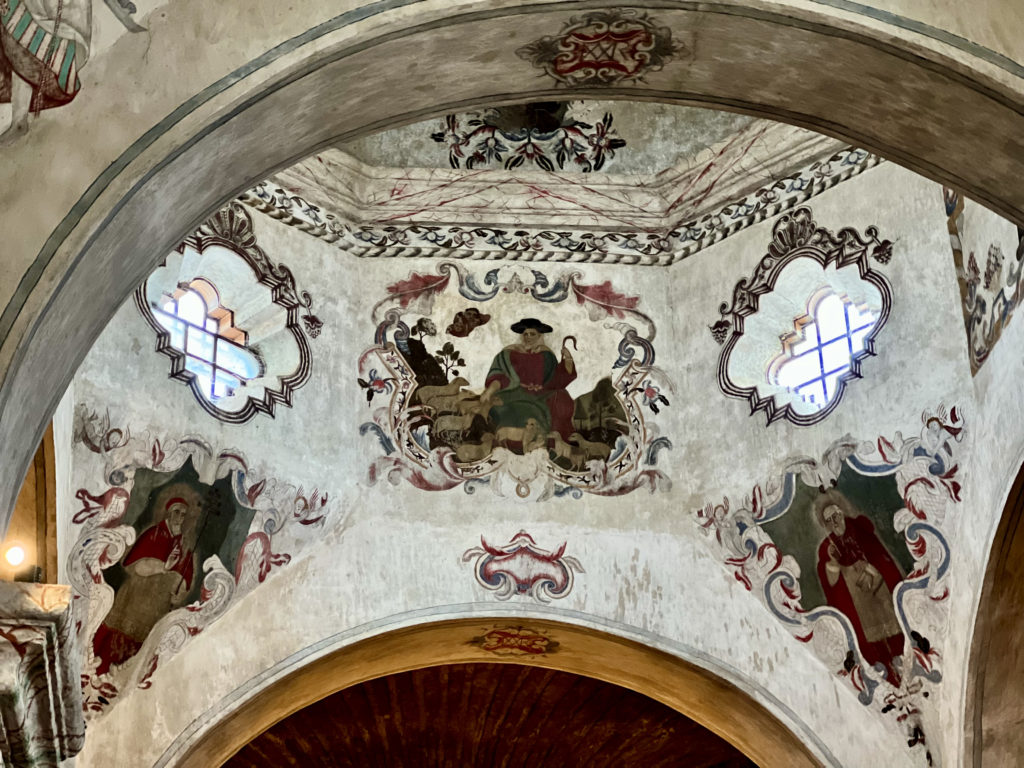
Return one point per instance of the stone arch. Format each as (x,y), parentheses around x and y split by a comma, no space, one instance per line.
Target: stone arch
(682,684)
(138,190)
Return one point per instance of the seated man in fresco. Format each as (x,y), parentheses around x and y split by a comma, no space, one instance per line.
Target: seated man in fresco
(159,572)
(858,576)
(530,383)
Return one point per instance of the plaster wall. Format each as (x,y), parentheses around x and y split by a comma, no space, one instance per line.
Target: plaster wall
(987,24)
(132,116)
(389,555)
(997,455)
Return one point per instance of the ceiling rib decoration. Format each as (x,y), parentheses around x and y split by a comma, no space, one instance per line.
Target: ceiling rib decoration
(653,220)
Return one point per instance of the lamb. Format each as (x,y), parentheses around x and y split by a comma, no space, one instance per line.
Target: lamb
(530,436)
(590,448)
(472,404)
(470,452)
(444,399)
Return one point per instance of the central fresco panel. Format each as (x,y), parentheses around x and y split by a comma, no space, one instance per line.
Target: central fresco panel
(533,383)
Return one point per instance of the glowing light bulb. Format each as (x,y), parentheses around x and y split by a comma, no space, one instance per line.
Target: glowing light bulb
(15,555)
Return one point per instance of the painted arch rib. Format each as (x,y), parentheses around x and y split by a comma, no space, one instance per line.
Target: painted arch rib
(710,701)
(125,201)
(995,704)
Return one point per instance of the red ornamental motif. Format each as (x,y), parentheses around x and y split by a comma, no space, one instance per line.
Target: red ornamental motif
(605,297)
(407,291)
(619,50)
(522,568)
(515,641)
(603,48)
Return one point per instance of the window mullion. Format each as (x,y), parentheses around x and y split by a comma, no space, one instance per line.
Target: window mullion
(194,347)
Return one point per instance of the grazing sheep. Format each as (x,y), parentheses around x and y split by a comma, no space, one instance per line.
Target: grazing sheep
(452,424)
(590,448)
(530,436)
(470,452)
(443,399)
(573,454)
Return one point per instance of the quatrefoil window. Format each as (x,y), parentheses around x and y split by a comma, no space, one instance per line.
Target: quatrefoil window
(215,350)
(819,351)
(822,293)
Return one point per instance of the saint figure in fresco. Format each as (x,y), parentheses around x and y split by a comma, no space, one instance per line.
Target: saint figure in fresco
(527,382)
(858,576)
(160,569)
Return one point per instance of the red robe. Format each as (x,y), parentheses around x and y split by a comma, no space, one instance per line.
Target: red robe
(136,606)
(860,543)
(158,542)
(532,385)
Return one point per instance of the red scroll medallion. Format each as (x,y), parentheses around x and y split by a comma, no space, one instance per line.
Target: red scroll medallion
(603,48)
(515,641)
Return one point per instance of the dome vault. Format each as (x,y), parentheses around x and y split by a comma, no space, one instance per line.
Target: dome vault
(533,367)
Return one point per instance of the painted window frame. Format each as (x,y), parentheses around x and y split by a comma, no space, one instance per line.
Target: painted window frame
(795,235)
(231,228)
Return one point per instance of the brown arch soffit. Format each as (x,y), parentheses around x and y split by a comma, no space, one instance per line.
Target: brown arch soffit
(691,690)
(926,111)
(995,679)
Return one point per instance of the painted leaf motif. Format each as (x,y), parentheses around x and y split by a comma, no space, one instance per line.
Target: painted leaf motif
(606,298)
(255,491)
(157,453)
(416,286)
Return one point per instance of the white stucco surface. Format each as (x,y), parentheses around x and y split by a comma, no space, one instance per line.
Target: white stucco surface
(389,554)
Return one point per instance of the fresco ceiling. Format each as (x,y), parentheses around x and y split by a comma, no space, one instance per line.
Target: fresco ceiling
(527,326)
(699,404)
(649,137)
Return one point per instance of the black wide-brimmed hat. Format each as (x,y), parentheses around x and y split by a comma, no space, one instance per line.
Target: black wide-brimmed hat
(531,322)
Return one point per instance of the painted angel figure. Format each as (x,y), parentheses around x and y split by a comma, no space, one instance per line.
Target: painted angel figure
(43,46)
(937,440)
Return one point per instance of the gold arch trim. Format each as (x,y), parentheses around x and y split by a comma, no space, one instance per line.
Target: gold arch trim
(687,688)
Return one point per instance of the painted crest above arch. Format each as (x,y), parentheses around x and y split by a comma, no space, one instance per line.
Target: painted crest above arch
(604,48)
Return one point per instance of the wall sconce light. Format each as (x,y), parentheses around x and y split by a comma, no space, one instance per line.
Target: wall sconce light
(15,555)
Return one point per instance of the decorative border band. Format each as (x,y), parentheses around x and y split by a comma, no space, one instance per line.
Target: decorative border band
(657,248)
